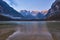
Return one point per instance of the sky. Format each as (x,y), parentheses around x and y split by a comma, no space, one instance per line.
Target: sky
(30,4)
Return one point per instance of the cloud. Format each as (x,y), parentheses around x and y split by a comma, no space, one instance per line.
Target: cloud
(12,3)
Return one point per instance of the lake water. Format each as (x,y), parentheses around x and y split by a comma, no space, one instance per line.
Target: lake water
(29,30)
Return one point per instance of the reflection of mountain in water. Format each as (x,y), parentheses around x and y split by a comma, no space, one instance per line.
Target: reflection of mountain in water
(31,31)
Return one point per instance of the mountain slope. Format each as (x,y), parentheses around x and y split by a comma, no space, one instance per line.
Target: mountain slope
(5,9)
(54,11)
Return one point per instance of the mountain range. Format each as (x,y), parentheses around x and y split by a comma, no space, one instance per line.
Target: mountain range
(7,13)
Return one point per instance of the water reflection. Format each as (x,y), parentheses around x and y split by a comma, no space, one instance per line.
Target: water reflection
(30,31)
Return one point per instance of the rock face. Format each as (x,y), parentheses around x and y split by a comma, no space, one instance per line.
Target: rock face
(54,11)
(6,10)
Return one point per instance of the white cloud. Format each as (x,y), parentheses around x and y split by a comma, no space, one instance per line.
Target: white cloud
(13,3)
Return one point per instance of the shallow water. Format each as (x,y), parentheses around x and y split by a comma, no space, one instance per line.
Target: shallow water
(27,30)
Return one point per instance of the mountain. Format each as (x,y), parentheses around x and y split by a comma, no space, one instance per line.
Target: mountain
(40,15)
(8,13)
(27,15)
(25,12)
(33,15)
(44,12)
(54,11)
(30,17)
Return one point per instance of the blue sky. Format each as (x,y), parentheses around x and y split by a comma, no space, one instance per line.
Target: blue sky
(30,4)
